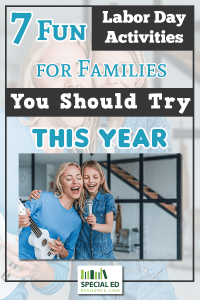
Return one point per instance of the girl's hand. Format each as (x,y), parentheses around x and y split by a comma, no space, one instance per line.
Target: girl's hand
(35,195)
(91,220)
(24,219)
(57,247)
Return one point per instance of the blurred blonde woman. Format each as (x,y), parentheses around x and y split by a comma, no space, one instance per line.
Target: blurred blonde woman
(57,52)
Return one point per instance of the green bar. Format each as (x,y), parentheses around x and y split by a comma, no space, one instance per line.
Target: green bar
(104,273)
(88,276)
(91,274)
(85,276)
(100,273)
(95,275)
(82,274)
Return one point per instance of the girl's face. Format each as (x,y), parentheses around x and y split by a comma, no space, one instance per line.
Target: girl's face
(112,58)
(72,182)
(91,180)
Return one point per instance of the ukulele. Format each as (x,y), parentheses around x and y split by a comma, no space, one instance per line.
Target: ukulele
(38,238)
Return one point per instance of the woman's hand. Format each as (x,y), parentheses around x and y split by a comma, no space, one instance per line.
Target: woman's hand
(58,248)
(91,220)
(24,219)
(35,195)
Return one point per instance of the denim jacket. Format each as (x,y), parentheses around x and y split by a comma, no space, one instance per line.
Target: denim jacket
(102,245)
(134,123)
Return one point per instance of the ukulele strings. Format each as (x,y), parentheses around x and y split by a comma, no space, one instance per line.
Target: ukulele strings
(35,228)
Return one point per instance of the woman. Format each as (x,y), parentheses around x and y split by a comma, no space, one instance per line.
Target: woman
(55,213)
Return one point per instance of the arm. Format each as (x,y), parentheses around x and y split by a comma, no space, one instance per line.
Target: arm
(35,194)
(109,210)
(106,228)
(71,242)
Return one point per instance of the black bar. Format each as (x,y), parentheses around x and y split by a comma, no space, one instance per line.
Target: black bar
(150,200)
(80,159)
(30,108)
(141,206)
(33,171)
(101,28)
(108,171)
(146,158)
(178,170)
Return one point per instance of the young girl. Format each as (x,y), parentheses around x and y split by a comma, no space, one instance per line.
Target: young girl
(95,188)
(101,218)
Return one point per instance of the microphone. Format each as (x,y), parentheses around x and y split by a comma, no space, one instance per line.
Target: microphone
(89,203)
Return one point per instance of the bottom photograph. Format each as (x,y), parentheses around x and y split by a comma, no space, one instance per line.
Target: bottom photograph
(99,206)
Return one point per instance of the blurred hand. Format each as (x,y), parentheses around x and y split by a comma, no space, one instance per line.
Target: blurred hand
(24,219)
(27,268)
(35,195)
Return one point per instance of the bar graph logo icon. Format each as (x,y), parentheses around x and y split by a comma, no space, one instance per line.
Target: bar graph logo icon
(93,275)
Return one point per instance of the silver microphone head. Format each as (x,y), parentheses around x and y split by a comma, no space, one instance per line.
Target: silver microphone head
(89,203)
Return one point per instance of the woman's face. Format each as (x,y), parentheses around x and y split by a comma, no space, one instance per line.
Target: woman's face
(91,180)
(64,53)
(72,182)
(68,53)
(112,58)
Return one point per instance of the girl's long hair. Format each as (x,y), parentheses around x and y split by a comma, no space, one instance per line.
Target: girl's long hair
(58,190)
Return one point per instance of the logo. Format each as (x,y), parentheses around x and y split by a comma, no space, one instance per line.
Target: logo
(93,275)
(100,280)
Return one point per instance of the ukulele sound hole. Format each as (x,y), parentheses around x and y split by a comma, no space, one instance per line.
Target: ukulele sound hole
(44,242)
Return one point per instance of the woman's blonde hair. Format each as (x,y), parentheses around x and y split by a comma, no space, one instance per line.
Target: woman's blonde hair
(33,56)
(58,190)
(103,187)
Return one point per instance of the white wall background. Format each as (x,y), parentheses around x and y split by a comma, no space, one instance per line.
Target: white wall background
(161,227)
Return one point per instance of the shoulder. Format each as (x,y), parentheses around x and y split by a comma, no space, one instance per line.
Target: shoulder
(157,122)
(107,197)
(46,195)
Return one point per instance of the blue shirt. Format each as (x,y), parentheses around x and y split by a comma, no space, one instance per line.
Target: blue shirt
(102,245)
(49,214)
